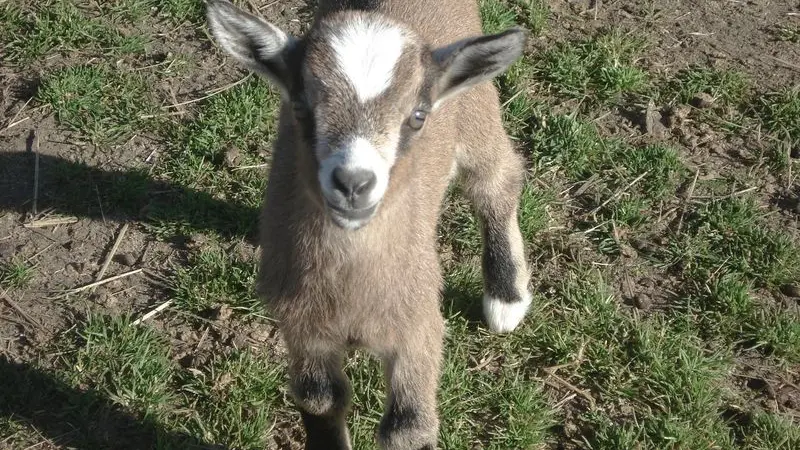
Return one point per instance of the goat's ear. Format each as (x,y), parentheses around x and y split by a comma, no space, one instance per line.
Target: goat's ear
(263,47)
(470,61)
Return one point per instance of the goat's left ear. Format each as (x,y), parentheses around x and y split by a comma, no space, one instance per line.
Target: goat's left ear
(260,45)
(470,61)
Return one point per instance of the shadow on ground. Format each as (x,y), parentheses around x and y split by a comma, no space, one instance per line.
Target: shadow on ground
(76,189)
(83,420)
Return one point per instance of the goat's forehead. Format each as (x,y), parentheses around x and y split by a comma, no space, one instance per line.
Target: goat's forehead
(360,53)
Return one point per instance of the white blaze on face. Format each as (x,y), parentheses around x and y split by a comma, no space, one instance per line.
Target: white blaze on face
(366,53)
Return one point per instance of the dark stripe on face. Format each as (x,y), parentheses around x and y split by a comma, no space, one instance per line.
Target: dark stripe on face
(424,102)
(498,264)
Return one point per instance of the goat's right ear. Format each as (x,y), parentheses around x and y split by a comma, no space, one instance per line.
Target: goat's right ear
(263,47)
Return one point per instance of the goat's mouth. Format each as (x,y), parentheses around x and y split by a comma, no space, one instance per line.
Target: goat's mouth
(350,219)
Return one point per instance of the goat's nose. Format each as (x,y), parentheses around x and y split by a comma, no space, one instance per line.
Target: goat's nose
(354,184)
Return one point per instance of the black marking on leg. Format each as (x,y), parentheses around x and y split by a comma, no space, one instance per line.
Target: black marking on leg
(315,389)
(324,432)
(498,264)
(398,418)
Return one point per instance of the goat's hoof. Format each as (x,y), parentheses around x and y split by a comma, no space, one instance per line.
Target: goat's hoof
(504,316)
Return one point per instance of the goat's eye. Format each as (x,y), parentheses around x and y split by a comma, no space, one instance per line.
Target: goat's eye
(417,119)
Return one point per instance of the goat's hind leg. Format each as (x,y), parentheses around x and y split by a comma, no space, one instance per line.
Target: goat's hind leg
(492,178)
(322,393)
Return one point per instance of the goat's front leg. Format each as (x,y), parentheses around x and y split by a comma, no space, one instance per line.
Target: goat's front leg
(410,420)
(494,189)
(322,393)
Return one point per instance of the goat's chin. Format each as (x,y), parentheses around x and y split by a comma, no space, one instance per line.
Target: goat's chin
(347,223)
(350,219)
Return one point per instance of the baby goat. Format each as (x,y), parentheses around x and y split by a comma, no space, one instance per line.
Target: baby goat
(383,102)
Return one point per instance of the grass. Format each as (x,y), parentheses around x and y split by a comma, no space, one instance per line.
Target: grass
(15,274)
(780,113)
(214,277)
(235,400)
(730,237)
(129,364)
(586,370)
(180,11)
(239,119)
(601,68)
(99,102)
(576,148)
(219,155)
(729,86)
(499,15)
(728,252)
(659,384)
(787,33)
(31,32)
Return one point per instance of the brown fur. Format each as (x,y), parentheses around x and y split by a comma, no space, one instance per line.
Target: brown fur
(378,287)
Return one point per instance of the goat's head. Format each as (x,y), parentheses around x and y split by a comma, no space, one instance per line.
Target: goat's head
(361,87)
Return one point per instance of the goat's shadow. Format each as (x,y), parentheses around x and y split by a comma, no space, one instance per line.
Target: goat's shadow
(84,420)
(77,189)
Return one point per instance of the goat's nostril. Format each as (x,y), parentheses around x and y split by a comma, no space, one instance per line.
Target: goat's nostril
(353,182)
(340,181)
(366,186)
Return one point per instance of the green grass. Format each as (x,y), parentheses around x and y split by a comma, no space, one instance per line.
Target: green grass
(130,364)
(242,118)
(534,211)
(15,274)
(101,103)
(459,227)
(730,237)
(504,409)
(659,384)
(496,16)
(218,155)
(728,252)
(731,87)
(729,312)
(180,11)
(787,33)
(598,69)
(31,32)
(516,83)
(15,432)
(214,277)
(499,15)
(780,113)
(126,10)
(767,431)
(576,148)
(234,400)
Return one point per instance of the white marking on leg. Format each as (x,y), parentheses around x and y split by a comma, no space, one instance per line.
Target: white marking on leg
(367,52)
(503,316)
